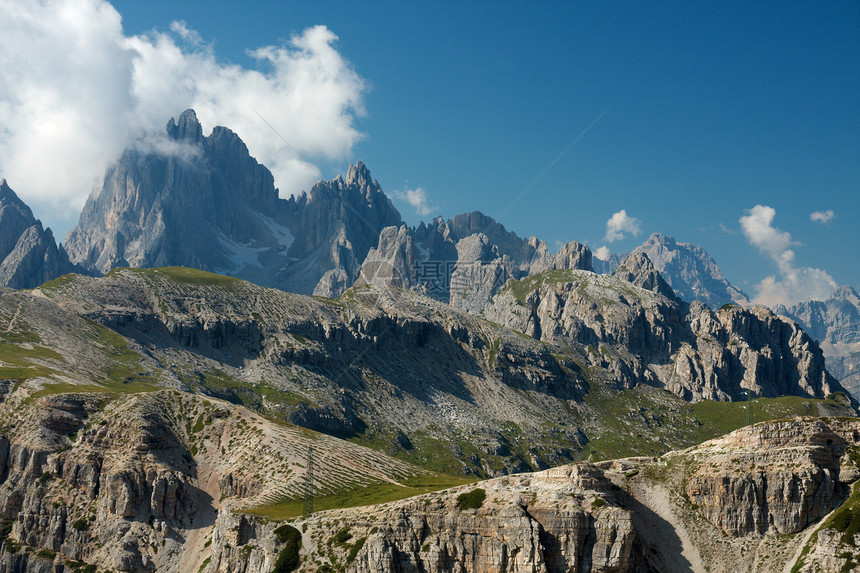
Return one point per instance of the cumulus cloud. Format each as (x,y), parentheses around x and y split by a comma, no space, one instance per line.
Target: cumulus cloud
(794,284)
(823,217)
(620,224)
(417,198)
(75,91)
(602,253)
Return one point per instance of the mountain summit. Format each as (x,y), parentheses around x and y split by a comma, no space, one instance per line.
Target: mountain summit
(691,271)
(204,202)
(29,255)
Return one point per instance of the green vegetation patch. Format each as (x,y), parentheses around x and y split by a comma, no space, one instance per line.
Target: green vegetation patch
(182,275)
(454,454)
(59,282)
(471,499)
(523,287)
(260,397)
(342,536)
(190,276)
(18,350)
(288,558)
(371,495)
(646,422)
(846,519)
(718,418)
(353,551)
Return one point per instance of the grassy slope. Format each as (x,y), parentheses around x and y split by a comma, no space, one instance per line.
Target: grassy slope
(648,422)
(372,495)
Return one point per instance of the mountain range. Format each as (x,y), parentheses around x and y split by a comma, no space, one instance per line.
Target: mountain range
(160,419)
(203,202)
(171,375)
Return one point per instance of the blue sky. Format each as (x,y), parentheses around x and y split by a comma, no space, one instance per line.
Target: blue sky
(685,115)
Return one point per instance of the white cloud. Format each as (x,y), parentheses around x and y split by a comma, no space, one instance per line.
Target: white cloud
(602,253)
(417,198)
(75,91)
(759,231)
(821,216)
(794,284)
(621,223)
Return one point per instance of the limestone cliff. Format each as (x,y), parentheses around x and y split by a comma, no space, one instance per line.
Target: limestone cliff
(464,260)
(202,201)
(835,324)
(29,255)
(643,334)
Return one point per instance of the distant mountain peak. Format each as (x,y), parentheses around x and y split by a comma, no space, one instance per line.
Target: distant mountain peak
(639,270)
(187,128)
(29,255)
(660,238)
(845,292)
(691,272)
(358,174)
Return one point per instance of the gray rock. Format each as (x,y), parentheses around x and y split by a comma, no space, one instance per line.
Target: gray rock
(835,324)
(209,205)
(463,261)
(608,266)
(29,255)
(638,269)
(645,335)
(691,272)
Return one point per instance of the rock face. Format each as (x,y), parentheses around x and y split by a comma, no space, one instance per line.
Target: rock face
(29,255)
(463,261)
(608,266)
(835,324)
(794,484)
(691,272)
(638,269)
(612,516)
(204,202)
(135,487)
(335,226)
(646,335)
(135,477)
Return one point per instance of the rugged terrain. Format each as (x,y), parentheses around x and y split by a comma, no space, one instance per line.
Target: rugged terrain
(691,272)
(835,324)
(391,368)
(167,419)
(169,481)
(202,201)
(29,255)
(647,335)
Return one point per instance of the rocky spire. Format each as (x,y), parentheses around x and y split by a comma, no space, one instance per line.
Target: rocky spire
(639,270)
(358,175)
(187,129)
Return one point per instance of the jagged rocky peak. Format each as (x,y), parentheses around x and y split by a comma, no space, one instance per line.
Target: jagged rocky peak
(573,255)
(15,218)
(638,269)
(217,209)
(29,255)
(187,128)
(214,210)
(336,225)
(835,323)
(358,174)
(691,271)
(466,259)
